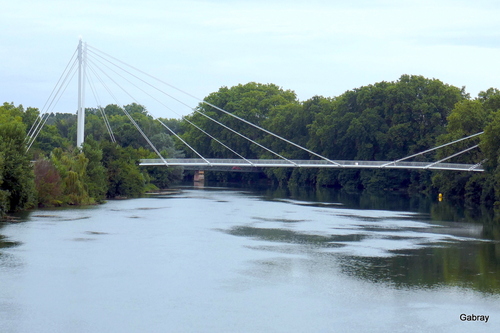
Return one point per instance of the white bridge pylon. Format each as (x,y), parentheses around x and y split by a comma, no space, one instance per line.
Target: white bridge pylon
(82,57)
(93,65)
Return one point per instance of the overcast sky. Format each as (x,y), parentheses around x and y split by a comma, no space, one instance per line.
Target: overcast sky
(314,47)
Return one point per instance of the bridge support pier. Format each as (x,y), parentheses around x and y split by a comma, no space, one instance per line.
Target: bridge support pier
(199,176)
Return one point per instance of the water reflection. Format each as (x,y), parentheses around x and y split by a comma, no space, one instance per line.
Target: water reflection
(4,243)
(471,265)
(289,236)
(7,260)
(452,247)
(394,201)
(205,260)
(355,200)
(428,209)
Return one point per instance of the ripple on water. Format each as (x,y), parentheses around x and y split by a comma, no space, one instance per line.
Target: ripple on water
(377,238)
(83,239)
(6,243)
(96,233)
(280,235)
(59,217)
(279,220)
(10,261)
(149,208)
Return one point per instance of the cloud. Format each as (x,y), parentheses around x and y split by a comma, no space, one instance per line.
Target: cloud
(314,47)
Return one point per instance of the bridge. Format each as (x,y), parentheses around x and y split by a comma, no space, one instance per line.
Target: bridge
(88,59)
(255,165)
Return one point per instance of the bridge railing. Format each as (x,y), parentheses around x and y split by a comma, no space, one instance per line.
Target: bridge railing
(238,164)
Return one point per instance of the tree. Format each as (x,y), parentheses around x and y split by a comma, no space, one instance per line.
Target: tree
(256,103)
(467,118)
(48,183)
(72,167)
(490,143)
(4,194)
(173,124)
(17,190)
(96,176)
(124,176)
(383,121)
(253,102)
(490,99)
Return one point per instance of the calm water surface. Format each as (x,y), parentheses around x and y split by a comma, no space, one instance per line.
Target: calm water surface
(240,260)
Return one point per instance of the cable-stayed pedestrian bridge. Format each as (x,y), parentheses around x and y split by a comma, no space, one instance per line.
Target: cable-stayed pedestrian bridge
(256,165)
(93,65)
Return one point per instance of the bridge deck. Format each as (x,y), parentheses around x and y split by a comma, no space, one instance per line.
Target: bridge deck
(242,165)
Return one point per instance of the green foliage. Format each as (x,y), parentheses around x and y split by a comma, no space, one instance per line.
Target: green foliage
(124,177)
(490,146)
(49,139)
(467,118)
(48,183)
(96,174)
(490,99)
(174,124)
(100,169)
(4,194)
(72,167)
(254,102)
(16,173)
(383,121)
(261,104)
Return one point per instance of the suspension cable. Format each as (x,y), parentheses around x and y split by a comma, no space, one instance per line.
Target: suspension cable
(221,124)
(63,86)
(133,121)
(40,121)
(429,150)
(188,121)
(220,109)
(178,137)
(103,114)
(451,156)
(31,140)
(144,135)
(476,165)
(53,90)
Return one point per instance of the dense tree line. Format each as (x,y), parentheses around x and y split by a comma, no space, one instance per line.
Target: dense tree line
(54,172)
(383,121)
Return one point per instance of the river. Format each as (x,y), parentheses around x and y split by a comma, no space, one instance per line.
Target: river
(219,259)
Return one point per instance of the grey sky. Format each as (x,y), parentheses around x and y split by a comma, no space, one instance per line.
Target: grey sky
(313,47)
